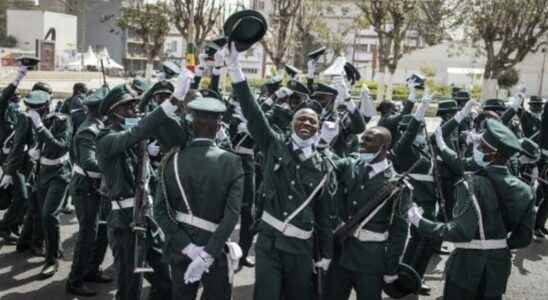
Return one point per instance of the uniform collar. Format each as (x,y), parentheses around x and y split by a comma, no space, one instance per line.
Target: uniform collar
(378,167)
(202,142)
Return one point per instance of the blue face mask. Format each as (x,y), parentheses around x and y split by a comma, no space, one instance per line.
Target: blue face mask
(130,123)
(420,140)
(479,157)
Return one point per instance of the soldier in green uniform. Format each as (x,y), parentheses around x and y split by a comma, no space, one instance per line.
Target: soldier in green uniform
(293,203)
(199,206)
(116,157)
(530,119)
(542,213)
(89,206)
(12,185)
(53,136)
(493,214)
(73,106)
(391,117)
(372,255)
(410,147)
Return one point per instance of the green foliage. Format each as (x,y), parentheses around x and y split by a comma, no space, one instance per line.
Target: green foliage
(150,23)
(508,78)
(8,41)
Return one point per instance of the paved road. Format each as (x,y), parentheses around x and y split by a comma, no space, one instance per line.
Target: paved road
(18,273)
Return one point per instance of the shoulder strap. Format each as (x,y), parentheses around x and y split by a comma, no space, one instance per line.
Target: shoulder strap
(179,183)
(305,203)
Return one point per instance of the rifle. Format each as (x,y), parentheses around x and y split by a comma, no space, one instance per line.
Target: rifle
(319,273)
(436,174)
(139,224)
(104,76)
(385,194)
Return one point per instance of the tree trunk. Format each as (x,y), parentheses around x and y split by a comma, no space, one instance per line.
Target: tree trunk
(148,70)
(380,82)
(389,76)
(488,88)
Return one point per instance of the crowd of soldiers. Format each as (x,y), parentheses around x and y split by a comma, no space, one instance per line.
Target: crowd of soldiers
(163,173)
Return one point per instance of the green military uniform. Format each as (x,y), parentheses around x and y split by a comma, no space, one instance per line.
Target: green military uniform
(284,253)
(75,109)
(480,266)
(89,205)
(406,152)
(392,120)
(9,114)
(53,141)
(376,250)
(116,157)
(202,189)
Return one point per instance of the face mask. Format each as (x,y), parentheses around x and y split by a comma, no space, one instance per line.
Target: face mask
(420,140)
(537,115)
(303,143)
(479,157)
(130,123)
(367,157)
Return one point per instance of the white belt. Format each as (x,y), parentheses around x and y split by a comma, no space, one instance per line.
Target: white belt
(483,244)
(370,236)
(244,150)
(286,228)
(196,222)
(422,177)
(6,150)
(77,169)
(53,162)
(126,203)
(545,152)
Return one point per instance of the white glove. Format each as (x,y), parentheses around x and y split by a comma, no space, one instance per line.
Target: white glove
(411,84)
(197,267)
(34,153)
(283,92)
(522,91)
(221,134)
(367,106)
(219,59)
(6,181)
(414,214)
(329,131)
(390,278)
(192,251)
(182,85)
(202,64)
(472,137)
(311,65)
(515,102)
(350,105)
(153,149)
(323,264)
(342,89)
(423,106)
(439,139)
(35,118)
(242,127)
(21,72)
(232,62)
(465,111)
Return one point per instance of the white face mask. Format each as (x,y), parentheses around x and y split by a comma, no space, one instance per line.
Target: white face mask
(420,140)
(368,157)
(479,157)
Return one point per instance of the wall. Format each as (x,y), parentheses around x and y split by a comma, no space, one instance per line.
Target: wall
(65,29)
(26,26)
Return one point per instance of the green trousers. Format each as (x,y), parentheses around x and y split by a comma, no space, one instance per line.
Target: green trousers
(452,291)
(15,214)
(50,200)
(281,275)
(130,284)
(92,242)
(341,281)
(215,283)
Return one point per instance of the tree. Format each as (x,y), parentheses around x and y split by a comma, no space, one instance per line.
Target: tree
(195,19)
(279,38)
(505,31)
(150,24)
(392,21)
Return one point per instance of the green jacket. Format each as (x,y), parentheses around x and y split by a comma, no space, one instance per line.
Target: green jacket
(54,141)
(351,124)
(467,267)
(117,159)
(18,159)
(405,155)
(287,182)
(370,257)
(212,179)
(8,120)
(85,156)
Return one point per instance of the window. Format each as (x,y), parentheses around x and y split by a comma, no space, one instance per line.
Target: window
(373,48)
(361,48)
(250,70)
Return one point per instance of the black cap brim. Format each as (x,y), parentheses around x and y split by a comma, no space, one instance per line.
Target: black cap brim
(245,28)
(408,282)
